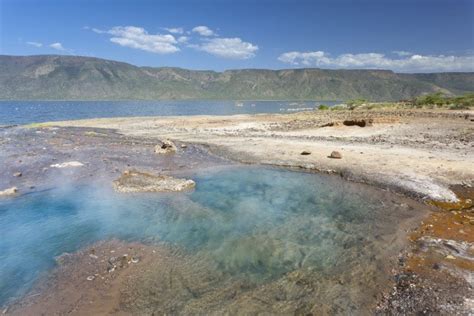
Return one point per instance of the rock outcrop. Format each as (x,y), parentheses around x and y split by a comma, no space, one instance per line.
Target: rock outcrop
(135,181)
(9,192)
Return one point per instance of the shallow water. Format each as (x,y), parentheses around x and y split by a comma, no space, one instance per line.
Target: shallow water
(24,112)
(252,223)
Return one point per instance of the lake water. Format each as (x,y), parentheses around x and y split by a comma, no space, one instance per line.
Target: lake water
(24,112)
(252,223)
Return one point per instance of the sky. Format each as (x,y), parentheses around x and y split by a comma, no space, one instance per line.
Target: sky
(400,35)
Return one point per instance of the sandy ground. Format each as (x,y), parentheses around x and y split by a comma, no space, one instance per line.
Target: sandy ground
(420,152)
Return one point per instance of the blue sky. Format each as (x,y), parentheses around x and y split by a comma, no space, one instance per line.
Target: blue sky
(402,35)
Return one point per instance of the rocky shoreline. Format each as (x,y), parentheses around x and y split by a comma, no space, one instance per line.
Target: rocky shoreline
(425,154)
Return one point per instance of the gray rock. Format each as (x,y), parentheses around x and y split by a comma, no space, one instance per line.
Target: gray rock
(166,147)
(335,155)
(9,192)
(136,181)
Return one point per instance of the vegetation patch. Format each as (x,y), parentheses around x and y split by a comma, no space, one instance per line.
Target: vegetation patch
(429,101)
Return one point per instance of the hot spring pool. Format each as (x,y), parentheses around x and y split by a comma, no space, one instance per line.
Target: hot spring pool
(251,222)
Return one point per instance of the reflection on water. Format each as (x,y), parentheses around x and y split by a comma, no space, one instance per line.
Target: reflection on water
(251,223)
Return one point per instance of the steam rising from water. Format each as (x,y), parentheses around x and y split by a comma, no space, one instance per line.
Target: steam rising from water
(250,222)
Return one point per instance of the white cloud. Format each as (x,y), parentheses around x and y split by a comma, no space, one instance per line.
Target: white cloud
(138,38)
(35,44)
(228,48)
(98,31)
(414,63)
(203,30)
(57,46)
(174,30)
(402,53)
(183,39)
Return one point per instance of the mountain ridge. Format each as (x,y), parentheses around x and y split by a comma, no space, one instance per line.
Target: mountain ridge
(59,77)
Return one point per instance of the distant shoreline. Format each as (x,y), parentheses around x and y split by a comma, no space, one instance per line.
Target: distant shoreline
(165,100)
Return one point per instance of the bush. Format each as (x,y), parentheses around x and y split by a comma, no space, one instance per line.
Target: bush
(353,104)
(439,100)
(323,107)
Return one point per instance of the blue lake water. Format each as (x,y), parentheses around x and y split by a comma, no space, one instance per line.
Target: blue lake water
(24,112)
(251,222)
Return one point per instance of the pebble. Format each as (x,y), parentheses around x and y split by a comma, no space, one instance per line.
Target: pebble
(90,278)
(17,174)
(450,257)
(93,256)
(305,153)
(135,260)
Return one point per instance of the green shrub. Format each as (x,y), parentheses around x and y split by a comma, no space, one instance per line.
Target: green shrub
(323,107)
(441,101)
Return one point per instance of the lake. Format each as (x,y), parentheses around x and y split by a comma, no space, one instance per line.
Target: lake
(24,112)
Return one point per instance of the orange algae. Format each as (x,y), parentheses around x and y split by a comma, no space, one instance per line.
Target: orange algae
(452,221)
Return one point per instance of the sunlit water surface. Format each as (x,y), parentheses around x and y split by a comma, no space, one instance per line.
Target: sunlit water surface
(251,222)
(24,112)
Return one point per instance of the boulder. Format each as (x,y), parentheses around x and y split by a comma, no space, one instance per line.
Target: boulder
(17,174)
(166,147)
(9,192)
(335,155)
(135,181)
(305,153)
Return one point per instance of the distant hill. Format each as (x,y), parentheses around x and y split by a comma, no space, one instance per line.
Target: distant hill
(84,78)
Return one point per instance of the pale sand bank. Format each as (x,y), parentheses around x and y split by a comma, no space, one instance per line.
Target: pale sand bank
(420,152)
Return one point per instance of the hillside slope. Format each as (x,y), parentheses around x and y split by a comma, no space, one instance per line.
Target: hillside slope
(51,77)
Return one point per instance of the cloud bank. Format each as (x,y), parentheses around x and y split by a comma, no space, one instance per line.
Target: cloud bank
(201,38)
(406,62)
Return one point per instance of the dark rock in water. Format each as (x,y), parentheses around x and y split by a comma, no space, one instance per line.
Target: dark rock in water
(166,147)
(305,153)
(136,181)
(335,155)
(17,174)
